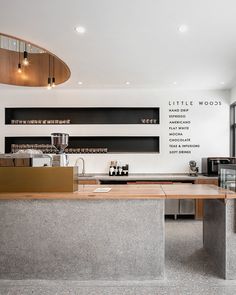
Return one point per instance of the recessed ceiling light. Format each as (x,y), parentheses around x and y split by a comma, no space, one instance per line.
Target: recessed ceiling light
(127,83)
(80,83)
(222,83)
(183,28)
(80,30)
(175,83)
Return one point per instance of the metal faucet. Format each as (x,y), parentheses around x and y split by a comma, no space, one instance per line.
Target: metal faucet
(83,168)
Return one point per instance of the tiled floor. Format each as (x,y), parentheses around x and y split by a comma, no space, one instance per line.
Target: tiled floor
(188,271)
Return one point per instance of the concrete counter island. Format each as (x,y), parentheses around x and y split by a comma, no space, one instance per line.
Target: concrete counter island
(86,235)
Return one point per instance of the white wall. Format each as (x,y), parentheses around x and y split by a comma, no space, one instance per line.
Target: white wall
(209,124)
(233,95)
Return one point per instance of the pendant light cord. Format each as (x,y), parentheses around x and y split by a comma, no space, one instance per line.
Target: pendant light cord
(49,67)
(19,51)
(53,68)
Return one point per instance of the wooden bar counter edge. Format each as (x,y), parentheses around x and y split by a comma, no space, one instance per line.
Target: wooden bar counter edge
(154,191)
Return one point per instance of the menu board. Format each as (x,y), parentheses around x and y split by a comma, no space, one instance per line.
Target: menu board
(181,120)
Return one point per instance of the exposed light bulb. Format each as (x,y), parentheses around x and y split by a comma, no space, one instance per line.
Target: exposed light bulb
(53,82)
(49,84)
(19,70)
(25,60)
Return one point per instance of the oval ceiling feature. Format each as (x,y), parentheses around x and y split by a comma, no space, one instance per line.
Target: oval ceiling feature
(25,64)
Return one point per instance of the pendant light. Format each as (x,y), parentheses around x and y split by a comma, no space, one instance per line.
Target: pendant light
(25,60)
(49,74)
(16,54)
(53,73)
(19,70)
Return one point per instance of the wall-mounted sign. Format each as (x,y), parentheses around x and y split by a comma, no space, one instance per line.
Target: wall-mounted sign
(182,117)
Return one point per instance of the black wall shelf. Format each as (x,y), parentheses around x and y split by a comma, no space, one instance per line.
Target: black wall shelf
(88,115)
(94,144)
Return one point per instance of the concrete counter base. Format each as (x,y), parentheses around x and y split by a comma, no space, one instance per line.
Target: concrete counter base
(219,235)
(82,239)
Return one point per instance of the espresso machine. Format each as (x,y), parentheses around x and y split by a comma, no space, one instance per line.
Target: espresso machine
(60,142)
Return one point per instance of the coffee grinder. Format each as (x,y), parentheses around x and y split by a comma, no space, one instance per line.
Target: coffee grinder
(60,142)
(193,169)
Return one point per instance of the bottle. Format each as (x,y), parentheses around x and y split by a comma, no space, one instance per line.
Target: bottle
(126,170)
(123,170)
(120,170)
(111,171)
(115,170)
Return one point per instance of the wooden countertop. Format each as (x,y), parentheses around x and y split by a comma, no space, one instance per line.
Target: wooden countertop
(126,192)
(196,191)
(147,177)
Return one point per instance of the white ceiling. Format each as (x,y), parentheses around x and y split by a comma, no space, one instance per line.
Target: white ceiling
(132,40)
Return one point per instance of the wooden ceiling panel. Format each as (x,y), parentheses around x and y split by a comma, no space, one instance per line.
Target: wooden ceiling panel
(36,73)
